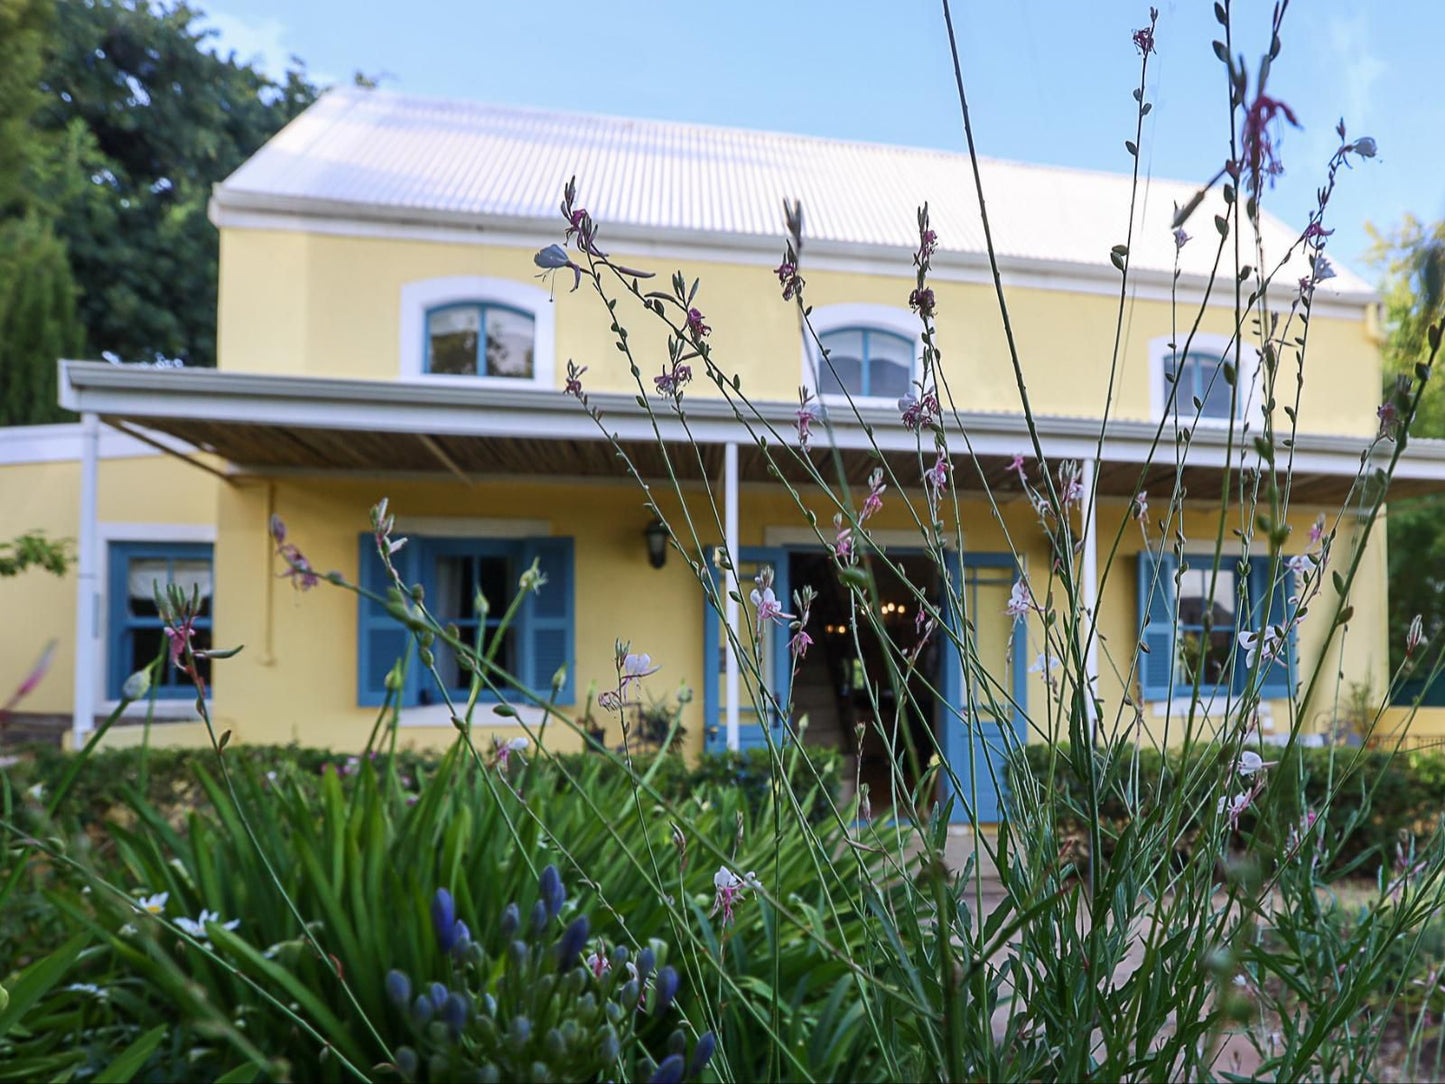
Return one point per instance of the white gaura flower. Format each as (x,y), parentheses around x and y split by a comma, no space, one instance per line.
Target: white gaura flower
(1231,808)
(1020,600)
(153,905)
(729,890)
(1266,645)
(1251,763)
(196,927)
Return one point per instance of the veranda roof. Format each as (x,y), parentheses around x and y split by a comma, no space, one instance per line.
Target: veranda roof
(267,424)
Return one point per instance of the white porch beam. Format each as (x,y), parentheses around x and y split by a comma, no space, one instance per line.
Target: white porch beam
(732,589)
(87,593)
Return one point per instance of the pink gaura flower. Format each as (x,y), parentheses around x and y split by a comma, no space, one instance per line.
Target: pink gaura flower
(1180,239)
(789,279)
(504,750)
(768,607)
(873,503)
(1144,38)
(671,382)
(800,643)
(937,475)
(1232,808)
(1416,635)
(33,679)
(1317,530)
(1261,147)
(695,326)
(729,889)
(805,417)
(1020,599)
(574,379)
(1315,232)
(843,544)
(921,301)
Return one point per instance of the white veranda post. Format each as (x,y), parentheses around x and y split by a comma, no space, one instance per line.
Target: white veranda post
(731,587)
(87,594)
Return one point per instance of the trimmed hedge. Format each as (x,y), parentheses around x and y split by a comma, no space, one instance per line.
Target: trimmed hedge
(1383,800)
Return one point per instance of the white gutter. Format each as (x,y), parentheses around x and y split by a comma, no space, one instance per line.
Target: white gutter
(208,395)
(87,589)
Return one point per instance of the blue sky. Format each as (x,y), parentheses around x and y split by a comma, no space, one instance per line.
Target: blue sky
(1049,80)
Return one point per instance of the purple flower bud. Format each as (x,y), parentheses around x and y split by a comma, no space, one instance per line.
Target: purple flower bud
(444,919)
(1365,147)
(573,941)
(646,961)
(439,995)
(422,1010)
(553,894)
(701,1053)
(406,1063)
(511,919)
(609,1048)
(463,939)
(664,991)
(670,1071)
(552,258)
(398,987)
(455,1013)
(539,917)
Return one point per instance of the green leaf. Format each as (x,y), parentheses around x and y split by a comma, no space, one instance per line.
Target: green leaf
(129,1061)
(241,1074)
(39,979)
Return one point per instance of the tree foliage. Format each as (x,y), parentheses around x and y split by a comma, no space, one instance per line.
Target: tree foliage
(166,118)
(1412,262)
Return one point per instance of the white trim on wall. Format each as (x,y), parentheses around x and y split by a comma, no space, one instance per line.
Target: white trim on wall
(886,537)
(1206,343)
(62,443)
(440,715)
(109,532)
(857,314)
(417,297)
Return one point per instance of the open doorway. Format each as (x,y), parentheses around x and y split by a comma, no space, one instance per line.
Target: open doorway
(831,686)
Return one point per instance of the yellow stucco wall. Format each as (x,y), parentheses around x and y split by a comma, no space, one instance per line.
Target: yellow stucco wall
(327,305)
(40,607)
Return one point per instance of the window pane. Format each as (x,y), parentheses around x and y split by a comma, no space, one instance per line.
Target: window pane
(193,575)
(496,583)
(845,350)
(456,588)
(509,344)
(1216,651)
(1194,601)
(453,335)
(147,577)
(1214,390)
(890,364)
(456,677)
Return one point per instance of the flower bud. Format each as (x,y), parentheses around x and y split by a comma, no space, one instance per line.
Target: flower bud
(439,995)
(444,919)
(573,941)
(554,1044)
(519,1032)
(670,1071)
(463,938)
(455,1013)
(539,917)
(553,894)
(701,1053)
(1365,147)
(619,958)
(510,920)
(398,987)
(406,1063)
(609,1048)
(646,961)
(422,1010)
(664,990)
(137,685)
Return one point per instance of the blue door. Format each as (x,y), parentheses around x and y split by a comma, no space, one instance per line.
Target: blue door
(774,647)
(979,723)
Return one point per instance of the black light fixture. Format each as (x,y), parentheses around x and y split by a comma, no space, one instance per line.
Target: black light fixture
(656,535)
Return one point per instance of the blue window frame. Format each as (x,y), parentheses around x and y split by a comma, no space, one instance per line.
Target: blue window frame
(1173,631)
(866,362)
(135,633)
(480,339)
(1202,388)
(452,572)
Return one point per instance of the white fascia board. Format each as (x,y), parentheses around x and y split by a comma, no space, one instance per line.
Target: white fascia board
(403,407)
(231,209)
(21,444)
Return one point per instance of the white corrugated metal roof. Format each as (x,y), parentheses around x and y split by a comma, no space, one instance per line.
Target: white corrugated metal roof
(385,154)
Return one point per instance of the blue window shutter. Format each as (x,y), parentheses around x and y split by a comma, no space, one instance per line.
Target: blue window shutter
(1277,680)
(1157,624)
(548,620)
(380,638)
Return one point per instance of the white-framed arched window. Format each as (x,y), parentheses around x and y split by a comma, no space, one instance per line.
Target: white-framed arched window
(470,329)
(875,352)
(1189,384)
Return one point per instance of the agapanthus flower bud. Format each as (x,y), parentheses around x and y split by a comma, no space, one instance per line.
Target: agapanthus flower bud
(439,994)
(670,1071)
(422,1010)
(398,987)
(539,917)
(406,1063)
(519,1031)
(701,1053)
(463,938)
(553,894)
(646,961)
(137,685)
(573,941)
(664,990)
(510,920)
(455,1013)
(444,919)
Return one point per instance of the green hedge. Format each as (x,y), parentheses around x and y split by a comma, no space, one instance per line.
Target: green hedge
(1380,798)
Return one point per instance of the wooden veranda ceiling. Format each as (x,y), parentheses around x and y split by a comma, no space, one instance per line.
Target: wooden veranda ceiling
(293,448)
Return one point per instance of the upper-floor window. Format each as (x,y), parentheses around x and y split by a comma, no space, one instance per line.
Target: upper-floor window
(865,362)
(476,330)
(476,339)
(1188,383)
(873,352)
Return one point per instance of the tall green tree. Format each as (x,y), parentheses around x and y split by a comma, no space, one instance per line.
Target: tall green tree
(150,118)
(1411,260)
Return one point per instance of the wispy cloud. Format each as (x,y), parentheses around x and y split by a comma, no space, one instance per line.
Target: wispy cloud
(1358,67)
(263,43)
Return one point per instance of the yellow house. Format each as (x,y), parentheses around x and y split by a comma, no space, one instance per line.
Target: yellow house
(383,333)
